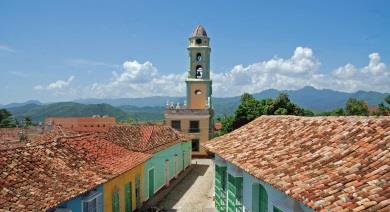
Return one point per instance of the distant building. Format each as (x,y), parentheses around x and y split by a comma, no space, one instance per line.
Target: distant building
(195,116)
(289,163)
(82,124)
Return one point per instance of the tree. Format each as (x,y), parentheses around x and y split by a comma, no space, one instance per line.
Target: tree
(356,107)
(248,110)
(384,108)
(27,121)
(251,108)
(6,120)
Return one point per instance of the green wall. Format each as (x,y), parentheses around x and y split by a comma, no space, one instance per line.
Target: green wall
(158,160)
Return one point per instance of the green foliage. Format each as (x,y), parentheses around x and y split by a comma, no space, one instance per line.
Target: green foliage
(28,121)
(6,120)
(251,108)
(335,112)
(384,108)
(356,107)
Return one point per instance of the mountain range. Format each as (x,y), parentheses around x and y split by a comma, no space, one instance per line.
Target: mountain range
(152,108)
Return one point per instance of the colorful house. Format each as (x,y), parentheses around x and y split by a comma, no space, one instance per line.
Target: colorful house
(170,152)
(39,176)
(122,168)
(289,163)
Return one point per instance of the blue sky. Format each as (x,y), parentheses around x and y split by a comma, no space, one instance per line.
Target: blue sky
(64,50)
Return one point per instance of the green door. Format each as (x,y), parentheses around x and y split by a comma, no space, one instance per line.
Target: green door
(263,206)
(151,182)
(128,198)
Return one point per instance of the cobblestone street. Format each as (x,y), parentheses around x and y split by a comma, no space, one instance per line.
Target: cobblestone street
(195,191)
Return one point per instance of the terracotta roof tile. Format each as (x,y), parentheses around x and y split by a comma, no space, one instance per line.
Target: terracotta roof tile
(324,162)
(40,176)
(96,150)
(144,137)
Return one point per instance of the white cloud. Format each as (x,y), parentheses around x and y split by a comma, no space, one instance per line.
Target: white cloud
(138,79)
(6,48)
(57,85)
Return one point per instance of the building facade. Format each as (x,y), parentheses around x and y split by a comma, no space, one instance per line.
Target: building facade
(291,163)
(195,116)
(164,166)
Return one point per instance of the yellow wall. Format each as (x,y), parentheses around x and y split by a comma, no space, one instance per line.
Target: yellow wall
(203,136)
(198,101)
(119,182)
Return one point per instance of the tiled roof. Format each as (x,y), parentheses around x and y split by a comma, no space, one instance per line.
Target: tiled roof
(143,137)
(40,176)
(96,150)
(331,163)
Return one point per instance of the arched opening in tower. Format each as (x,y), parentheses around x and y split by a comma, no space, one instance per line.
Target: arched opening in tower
(199,72)
(198,57)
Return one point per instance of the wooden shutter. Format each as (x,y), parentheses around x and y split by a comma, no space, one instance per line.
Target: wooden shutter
(115,201)
(128,198)
(263,207)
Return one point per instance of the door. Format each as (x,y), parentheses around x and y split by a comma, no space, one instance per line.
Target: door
(167,172)
(176,165)
(137,191)
(151,182)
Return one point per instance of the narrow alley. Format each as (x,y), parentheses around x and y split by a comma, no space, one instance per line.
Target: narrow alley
(195,191)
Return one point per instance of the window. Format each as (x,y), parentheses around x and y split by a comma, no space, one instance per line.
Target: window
(198,41)
(194,127)
(195,145)
(198,92)
(93,203)
(90,205)
(115,201)
(128,198)
(198,57)
(176,124)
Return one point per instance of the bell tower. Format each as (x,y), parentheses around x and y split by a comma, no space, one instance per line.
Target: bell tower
(198,79)
(195,116)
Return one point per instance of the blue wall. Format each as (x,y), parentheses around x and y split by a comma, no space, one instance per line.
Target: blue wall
(250,192)
(75,204)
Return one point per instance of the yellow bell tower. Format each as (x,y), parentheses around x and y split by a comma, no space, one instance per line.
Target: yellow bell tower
(198,79)
(195,116)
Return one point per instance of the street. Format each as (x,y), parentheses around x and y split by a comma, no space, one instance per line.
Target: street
(195,192)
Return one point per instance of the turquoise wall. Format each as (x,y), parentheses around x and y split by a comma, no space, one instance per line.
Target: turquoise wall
(250,190)
(75,204)
(157,162)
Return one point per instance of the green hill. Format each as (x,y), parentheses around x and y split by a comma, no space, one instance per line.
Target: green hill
(67,109)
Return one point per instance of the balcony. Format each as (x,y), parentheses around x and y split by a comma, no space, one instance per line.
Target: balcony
(185,111)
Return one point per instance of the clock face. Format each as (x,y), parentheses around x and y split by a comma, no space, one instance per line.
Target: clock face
(198,41)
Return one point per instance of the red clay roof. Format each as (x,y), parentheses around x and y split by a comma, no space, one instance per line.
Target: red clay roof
(143,137)
(96,150)
(331,163)
(40,176)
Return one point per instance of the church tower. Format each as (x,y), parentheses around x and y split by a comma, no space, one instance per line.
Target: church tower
(195,116)
(198,80)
